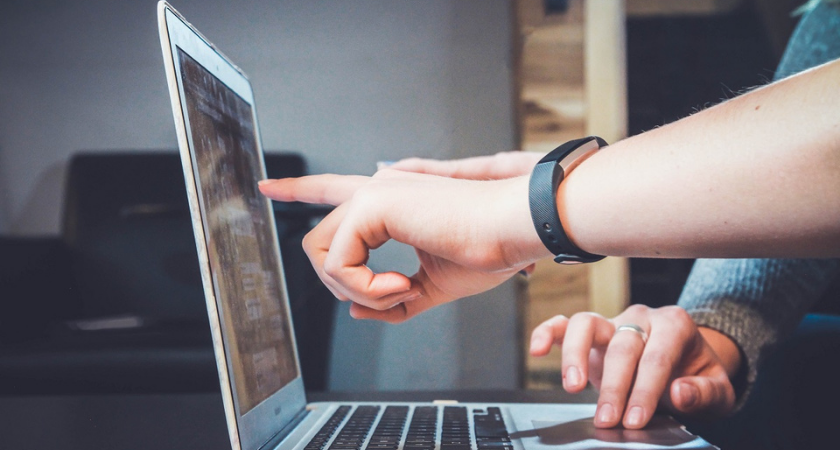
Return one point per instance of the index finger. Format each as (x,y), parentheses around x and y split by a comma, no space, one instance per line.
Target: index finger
(327,189)
(584,332)
(671,336)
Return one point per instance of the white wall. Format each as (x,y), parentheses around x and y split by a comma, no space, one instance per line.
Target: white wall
(346,83)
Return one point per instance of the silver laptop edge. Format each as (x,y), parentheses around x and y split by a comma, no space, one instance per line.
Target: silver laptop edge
(256,426)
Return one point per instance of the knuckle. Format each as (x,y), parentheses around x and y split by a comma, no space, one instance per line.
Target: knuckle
(556,320)
(675,314)
(332,268)
(307,243)
(366,197)
(679,323)
(637,309)
(585,318)
(384,173)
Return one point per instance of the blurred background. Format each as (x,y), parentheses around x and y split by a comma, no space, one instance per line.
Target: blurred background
(342,85)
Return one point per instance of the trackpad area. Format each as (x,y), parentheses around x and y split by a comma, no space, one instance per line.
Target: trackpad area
(660,431)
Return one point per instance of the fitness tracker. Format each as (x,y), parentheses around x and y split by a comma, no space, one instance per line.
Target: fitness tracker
(542,188)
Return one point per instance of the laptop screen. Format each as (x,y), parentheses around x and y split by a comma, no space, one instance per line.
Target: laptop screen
(259,344)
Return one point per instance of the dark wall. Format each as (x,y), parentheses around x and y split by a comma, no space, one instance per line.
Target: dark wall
(675,67)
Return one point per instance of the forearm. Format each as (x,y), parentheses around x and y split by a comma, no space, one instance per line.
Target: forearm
(755,176)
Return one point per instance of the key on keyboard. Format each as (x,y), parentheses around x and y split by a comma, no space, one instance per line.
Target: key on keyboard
(490,431)
(455,431)
(422,431)
(355,431)
(389,431)
(326,432)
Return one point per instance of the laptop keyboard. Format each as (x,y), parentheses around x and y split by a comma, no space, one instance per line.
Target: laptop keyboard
(488,433)
(422,431)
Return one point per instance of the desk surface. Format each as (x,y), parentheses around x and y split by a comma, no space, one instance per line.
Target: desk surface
(178,421)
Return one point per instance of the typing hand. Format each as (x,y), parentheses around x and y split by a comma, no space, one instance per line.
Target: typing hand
(493,167)
(668,361)
(470,236)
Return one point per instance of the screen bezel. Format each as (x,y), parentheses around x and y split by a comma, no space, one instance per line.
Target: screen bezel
(258,425)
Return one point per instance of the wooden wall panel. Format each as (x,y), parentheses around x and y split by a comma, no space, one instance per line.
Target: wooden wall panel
(573,83)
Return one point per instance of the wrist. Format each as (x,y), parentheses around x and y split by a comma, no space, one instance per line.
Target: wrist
(725,348)
(545,189)
(518,240)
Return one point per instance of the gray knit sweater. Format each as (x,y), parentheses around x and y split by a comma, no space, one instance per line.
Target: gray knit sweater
(758,302)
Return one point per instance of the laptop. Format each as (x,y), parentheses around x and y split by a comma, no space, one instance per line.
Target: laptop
(248,307)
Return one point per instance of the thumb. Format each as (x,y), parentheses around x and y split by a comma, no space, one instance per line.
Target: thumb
(703,394)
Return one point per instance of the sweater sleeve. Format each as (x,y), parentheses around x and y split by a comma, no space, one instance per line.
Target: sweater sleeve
(756,302)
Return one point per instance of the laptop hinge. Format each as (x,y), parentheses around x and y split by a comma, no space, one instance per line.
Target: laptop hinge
(275,440)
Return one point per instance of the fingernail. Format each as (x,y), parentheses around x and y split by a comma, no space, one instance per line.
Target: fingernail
(262,182)
(688,394)
(384,164)
(606,413)
(572,376)
(635,416)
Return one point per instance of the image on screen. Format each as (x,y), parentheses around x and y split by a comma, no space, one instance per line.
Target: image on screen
(239,235)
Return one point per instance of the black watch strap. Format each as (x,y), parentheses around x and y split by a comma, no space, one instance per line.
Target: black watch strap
(546,177)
